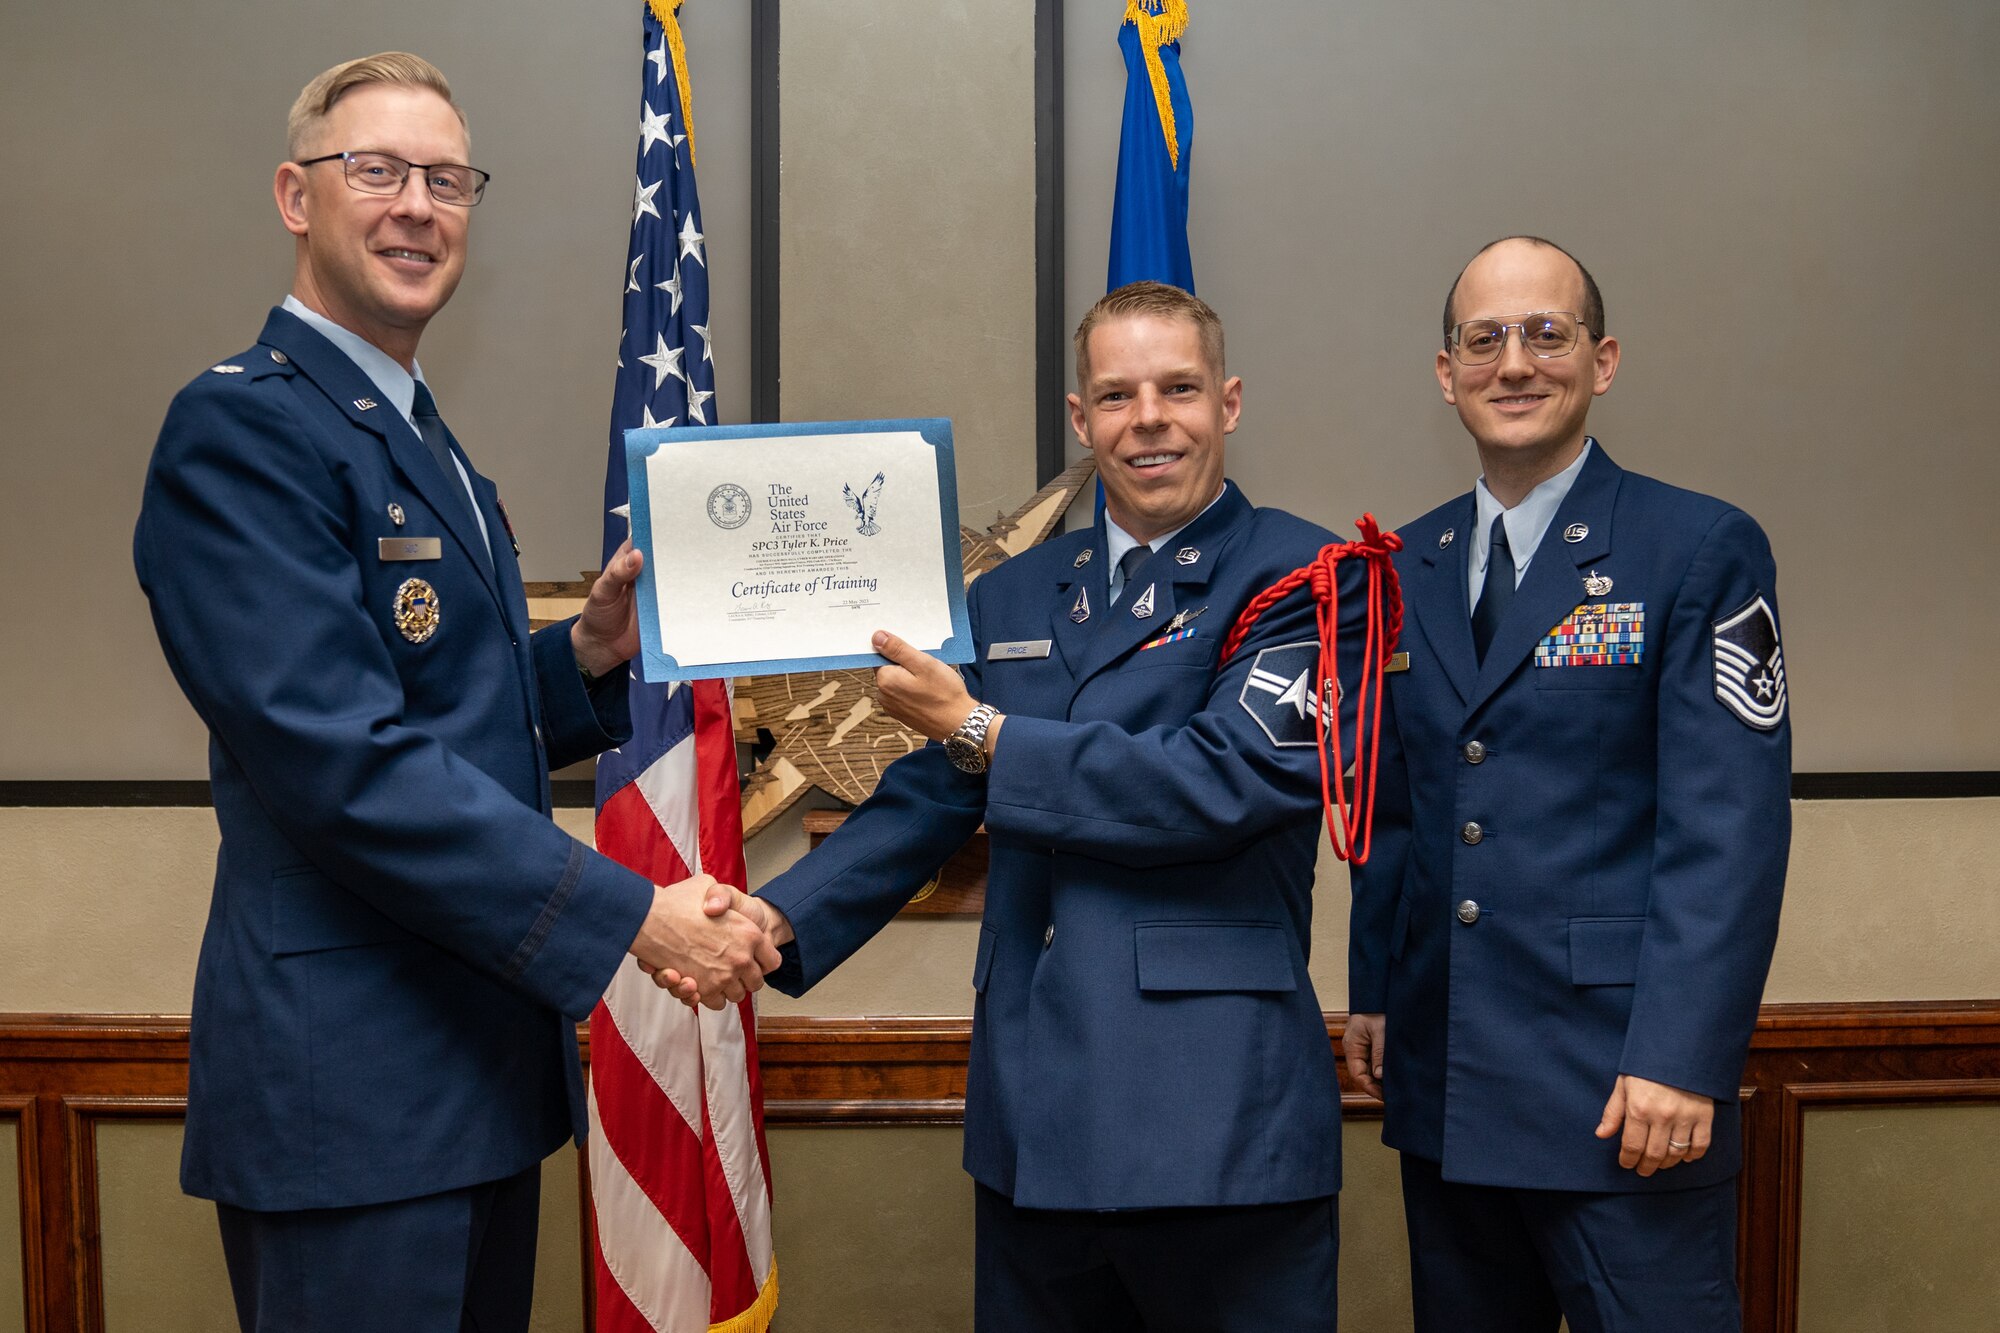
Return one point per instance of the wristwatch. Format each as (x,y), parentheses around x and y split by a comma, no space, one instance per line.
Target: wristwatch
(966,747)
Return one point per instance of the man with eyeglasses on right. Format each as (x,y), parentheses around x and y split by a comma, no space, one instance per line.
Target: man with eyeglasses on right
(1560,941)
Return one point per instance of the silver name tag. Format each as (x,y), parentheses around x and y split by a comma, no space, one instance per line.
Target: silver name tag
(1021,648)
(409,548)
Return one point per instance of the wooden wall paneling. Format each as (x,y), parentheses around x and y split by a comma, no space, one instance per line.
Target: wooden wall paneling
(80,1117)
(20,1110)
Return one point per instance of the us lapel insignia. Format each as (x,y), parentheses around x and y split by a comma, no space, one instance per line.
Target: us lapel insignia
(1143,608)
(396,513)
(1597,585)
(364,404)
(1081,611)
(1444,538)
(1187,555)
(1082,559)
(1576,532)
(416,609)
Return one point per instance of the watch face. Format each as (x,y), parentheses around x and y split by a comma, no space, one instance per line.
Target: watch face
(965,754)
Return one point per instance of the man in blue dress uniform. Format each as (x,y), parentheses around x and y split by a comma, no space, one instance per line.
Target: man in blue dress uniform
(1560,942)
(401,940)
(1151,1112)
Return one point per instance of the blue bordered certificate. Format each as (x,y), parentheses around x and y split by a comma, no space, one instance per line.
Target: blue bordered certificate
(779,548)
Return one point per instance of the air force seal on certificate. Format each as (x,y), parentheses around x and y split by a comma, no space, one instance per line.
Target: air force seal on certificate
(1750,666)
(1279,695)
(416,610)
(728,506)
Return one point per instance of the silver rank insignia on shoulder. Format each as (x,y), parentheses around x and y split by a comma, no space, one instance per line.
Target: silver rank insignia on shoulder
(1576,532)
(416,610)
(1187,555)
(1444,538)
(365,404)
(396,513)
(1082,559)
(1597,585)
(1081,611)
(1143,608)
(225,370)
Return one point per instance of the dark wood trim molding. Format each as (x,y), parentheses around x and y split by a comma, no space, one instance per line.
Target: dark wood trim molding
(62,1075)
(1051,335)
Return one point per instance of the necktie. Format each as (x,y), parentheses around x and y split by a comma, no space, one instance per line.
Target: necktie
(431,426)
(1498,590)
(1128,565)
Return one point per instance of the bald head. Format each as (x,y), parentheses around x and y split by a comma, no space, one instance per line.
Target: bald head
(1589,306)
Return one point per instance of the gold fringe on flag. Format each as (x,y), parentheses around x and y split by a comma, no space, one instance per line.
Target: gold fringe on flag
(1158,22)
(756,1319)
(664,11)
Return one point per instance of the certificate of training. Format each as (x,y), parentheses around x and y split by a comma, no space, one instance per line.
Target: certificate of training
(780,548)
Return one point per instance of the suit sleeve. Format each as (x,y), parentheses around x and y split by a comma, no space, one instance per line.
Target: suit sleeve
(845,890)
(1377,885)
(1723,838)
(244,553)
(1193,792)
(578,720)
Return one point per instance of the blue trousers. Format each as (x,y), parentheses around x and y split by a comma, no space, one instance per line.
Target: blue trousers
(458,1262)
(1485,1259)
(1155,1270)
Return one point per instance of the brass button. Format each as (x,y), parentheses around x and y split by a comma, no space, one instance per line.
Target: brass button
(1468,911)
(1049,935)
(1475,752)
(1472,834)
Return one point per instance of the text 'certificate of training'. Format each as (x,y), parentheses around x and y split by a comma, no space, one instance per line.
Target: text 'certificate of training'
(779,548)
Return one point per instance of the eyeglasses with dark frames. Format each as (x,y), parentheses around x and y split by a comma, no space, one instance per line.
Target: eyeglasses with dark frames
(1546,333)
(384,173)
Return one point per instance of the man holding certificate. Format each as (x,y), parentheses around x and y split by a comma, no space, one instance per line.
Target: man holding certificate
(1151,1109)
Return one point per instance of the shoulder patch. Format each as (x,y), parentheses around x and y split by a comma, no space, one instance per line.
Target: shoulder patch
(1750,666)
(1279,694)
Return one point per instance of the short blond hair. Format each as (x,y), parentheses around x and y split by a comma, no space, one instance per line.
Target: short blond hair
(1159,299)
(317,99)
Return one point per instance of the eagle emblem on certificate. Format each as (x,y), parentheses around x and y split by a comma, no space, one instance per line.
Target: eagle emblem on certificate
(864,504)
(728,506)
(416,610)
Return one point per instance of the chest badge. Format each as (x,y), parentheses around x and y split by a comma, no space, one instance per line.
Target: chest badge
(1143,608)
(1080,612)
(1444,538)
(1181,619)
(1576,532)
(396,513)
(1187,555)
(416,610)
(1082,559)
(1597,585)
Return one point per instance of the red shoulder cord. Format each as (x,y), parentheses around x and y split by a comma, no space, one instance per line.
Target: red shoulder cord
(1351,840)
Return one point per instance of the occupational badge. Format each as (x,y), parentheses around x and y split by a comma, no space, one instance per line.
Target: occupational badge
(1080,612)
(1143,608)
(225,370)
(1597,585)
(396,513)
(416,609)
(1279,694)
(1181,618)
(1750,666)
(1596,634)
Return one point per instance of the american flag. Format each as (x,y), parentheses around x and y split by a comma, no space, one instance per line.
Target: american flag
(679,1169)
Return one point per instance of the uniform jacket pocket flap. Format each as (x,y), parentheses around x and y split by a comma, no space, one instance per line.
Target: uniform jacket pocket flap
(982,964)
(1214,956)
(1605,951)
(310,912)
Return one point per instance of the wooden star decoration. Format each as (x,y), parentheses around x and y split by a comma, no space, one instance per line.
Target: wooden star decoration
(830,730)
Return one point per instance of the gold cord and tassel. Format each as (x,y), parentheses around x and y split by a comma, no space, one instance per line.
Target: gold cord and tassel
(665,11)
(1158,22)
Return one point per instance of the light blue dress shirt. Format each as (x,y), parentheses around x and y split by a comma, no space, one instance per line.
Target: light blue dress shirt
(1117,542)
(1527,523)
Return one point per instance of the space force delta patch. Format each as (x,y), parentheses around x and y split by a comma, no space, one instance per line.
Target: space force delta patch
(1279,694)
(1750,666)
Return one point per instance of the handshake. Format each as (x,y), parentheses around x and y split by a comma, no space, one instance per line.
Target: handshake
(709,943)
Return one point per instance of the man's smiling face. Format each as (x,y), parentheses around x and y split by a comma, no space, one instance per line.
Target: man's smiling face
(1154,412)
(380,265)
(1524,407)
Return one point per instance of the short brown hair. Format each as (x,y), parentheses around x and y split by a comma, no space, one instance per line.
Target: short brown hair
(316,101)
(1150,298)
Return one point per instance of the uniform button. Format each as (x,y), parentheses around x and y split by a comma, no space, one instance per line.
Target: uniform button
(1049,935)
(1475,752)
(1472,834)
(280,358)
(1468,911)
